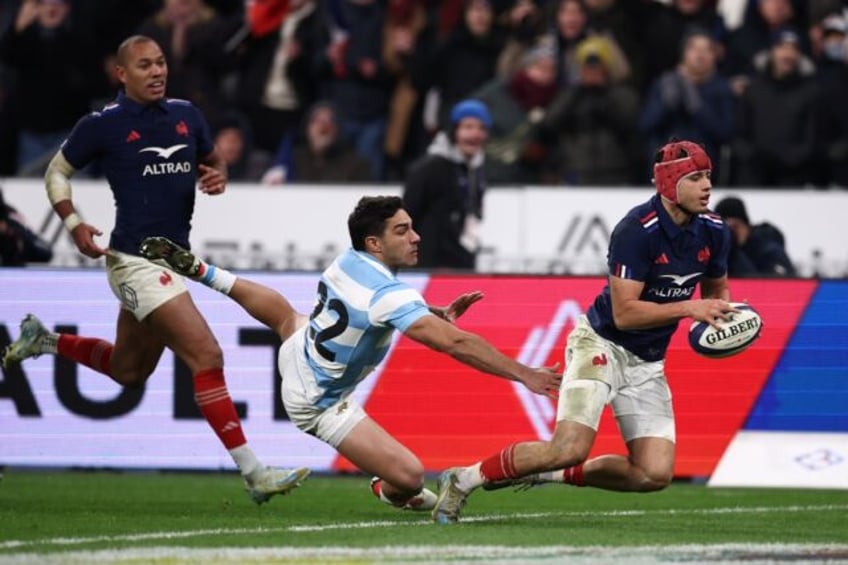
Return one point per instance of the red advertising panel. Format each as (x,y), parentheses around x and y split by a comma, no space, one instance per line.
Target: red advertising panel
(449,414)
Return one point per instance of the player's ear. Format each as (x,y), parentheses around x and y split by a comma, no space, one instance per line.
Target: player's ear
(372,244)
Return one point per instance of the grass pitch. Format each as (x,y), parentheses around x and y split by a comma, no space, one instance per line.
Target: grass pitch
(85,517)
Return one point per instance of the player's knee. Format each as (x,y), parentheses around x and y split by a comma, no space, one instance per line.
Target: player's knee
(656,480)
(406,477)
(410,478)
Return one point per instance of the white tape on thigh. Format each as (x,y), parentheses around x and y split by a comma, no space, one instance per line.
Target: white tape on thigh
(583,401)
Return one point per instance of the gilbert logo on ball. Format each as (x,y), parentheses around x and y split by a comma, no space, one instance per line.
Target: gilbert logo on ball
(733,335)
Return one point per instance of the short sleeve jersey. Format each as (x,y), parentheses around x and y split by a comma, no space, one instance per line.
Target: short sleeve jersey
(360,304)
(149,155)
(647,246)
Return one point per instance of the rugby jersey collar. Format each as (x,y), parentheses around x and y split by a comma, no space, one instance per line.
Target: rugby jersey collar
(376,263)
(135,108)
(668,226)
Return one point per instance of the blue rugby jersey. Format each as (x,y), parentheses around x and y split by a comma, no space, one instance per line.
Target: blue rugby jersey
(149,155)
(648,246)
(360,304)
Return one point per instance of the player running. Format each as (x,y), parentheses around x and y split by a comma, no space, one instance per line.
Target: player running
(154,151)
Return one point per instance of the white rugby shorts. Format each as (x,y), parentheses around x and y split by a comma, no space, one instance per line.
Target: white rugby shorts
(636,389)
(300,394)
(140,285)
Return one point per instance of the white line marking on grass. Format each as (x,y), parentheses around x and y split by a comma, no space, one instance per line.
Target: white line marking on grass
(583,514)
(11,544)
(15,544)
(747,554)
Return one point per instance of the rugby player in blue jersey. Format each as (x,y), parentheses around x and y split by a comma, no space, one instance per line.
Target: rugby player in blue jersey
(360,304)
(154,152)
(615,354)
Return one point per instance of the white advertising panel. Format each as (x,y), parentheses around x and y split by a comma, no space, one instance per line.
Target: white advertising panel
(562,230)
(784,459)
(56,413)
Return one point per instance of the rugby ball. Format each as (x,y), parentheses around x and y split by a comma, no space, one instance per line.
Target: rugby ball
(734,335)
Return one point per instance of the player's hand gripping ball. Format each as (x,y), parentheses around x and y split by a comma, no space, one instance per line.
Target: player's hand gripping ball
(735,335)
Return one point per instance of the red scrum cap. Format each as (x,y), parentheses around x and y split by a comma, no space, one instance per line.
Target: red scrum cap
(674,161)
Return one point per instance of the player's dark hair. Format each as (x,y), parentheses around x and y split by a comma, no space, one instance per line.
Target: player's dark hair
(369,218)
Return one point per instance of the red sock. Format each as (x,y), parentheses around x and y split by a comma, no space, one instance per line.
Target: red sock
(574,476)
(92,352)
(501,466)
(211,395)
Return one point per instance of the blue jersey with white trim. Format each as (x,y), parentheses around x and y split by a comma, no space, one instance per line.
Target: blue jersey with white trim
(360,304)
(647,246)
(149,155)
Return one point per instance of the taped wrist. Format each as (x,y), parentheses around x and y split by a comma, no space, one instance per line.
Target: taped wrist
(71,221)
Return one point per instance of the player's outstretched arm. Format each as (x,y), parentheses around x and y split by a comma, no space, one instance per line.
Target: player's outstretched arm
(458,307)
(476,352)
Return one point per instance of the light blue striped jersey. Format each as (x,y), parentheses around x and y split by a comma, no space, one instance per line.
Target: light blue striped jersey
(360,303)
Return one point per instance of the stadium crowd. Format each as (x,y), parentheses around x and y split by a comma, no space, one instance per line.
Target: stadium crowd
(581,91)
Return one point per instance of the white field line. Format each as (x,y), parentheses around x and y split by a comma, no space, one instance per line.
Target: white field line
(67,541)
(739,553)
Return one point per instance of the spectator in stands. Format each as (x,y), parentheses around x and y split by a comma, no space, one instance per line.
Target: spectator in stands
(757,250)
(754,37)
(319,153)
(445,188)
(669,25)
(472,49)
(234,143)
(593,123)
(692,101)
(523,19)
(570,27)
(778,120)
(524,22)
(834,89)
(831,46)
(354,77)
(54,67)
(19,244)
(193,37)
(623,21)
(276,82)
(517,104)
(405,136)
